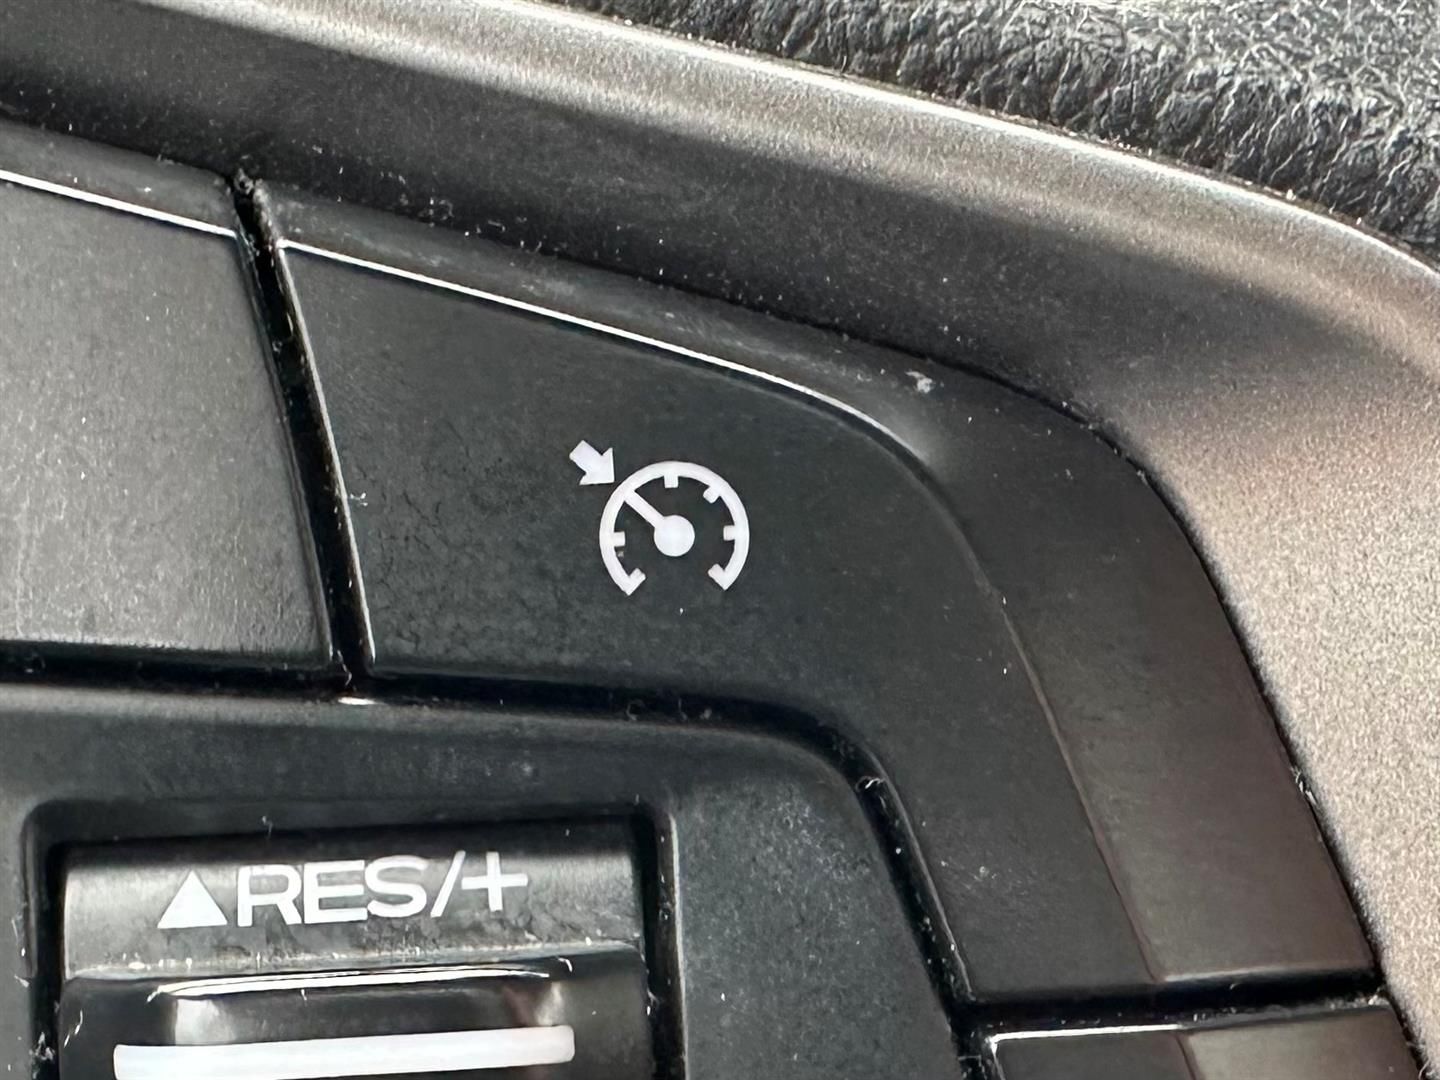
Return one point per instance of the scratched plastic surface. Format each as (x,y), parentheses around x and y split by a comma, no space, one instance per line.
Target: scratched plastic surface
(349,901)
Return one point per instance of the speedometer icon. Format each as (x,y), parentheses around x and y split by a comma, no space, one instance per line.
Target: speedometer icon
(673,535)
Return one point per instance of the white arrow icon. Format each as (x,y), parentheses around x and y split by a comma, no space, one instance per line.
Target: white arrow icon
(192,907)
(598,468)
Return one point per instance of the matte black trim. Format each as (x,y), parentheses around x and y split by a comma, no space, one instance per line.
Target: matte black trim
(196,605)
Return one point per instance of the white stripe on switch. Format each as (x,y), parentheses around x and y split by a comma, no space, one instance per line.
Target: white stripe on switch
(368,1055)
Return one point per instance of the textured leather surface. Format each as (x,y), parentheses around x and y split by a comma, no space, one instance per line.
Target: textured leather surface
(1335,101)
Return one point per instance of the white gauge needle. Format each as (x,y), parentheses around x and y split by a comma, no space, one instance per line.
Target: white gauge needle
(674,535)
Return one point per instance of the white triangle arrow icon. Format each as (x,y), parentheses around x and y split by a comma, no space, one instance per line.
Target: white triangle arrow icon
(598,468)
(192,907)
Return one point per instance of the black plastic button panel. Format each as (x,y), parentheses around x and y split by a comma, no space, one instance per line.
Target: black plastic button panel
(516,947)
(1343,1044)
(1057,767)
(551,476)
(777,920)
(147,497)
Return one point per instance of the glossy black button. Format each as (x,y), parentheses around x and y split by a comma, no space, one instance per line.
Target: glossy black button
(1346,1044)
(998,623)
(147,496)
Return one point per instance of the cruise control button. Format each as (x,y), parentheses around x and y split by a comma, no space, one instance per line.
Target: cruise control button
(515,947)
(302,904)
(944,580)
(533,499)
